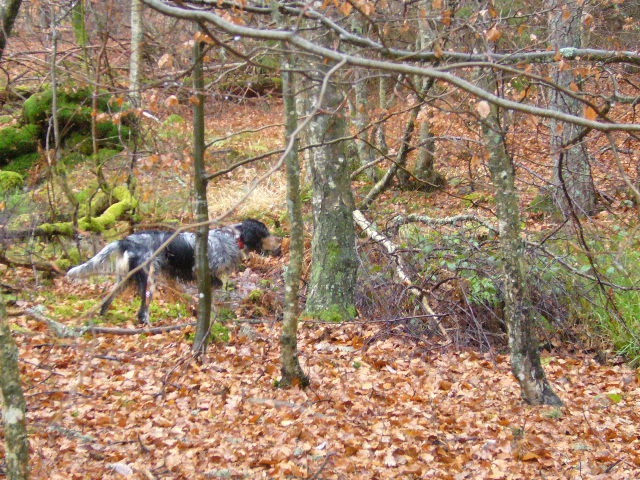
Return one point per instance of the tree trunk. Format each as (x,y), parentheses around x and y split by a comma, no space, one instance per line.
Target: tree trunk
(401,160)
(425,170)
(202,209)
(8,14)
(366,153)
(13,404)
(523,345)
(136,52)
(572,167)
(334,262)
(290,369)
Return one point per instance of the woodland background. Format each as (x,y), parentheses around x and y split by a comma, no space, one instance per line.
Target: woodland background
(467,175)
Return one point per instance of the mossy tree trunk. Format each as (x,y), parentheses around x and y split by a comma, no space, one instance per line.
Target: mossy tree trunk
(334,266)
(290,369)
(202,209)
(8,13)
(574,189)
(523,345)
(13,404)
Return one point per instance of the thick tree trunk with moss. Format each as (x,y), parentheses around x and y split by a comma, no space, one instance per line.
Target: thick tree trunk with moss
(290,369)
(523,345)
(202,209)
(572,172)
(334,263)
(8,13)
(13,404)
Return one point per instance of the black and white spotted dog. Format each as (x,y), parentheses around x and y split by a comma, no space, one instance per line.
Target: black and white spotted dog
(177,260)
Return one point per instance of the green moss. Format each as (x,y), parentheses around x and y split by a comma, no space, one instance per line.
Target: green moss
(60,228)
(103,156)
(10,181)
(334,313)
(126,201)
(23,163)
(219,333)
(64,264)
(75,114)
(71,102)
(16,141)
(79,142)
(37,107)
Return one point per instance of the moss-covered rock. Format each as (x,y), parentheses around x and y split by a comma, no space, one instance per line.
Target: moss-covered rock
(16,141)
(10,181)
(75,114)
(22,163)
(79,142)
(71,102)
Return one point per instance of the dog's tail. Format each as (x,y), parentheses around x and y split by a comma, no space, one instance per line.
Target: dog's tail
(100,264)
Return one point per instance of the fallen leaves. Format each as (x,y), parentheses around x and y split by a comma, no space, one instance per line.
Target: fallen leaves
(383,412)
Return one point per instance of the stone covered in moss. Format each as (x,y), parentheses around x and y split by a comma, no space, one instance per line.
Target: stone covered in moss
(16,141)
(37,108)
(22,163)
(10,181)
(75,114)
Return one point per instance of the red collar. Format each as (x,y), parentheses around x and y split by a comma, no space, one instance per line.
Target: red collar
(240,243)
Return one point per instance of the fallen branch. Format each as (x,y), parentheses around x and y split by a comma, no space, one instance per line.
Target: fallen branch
(64,331)
(41,266)
(369,230)
(438,222)
(125,202)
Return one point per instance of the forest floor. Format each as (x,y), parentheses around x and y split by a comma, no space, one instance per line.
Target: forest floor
(381,404)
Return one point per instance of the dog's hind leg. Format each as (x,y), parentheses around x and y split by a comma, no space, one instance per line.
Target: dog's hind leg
(122,268)
(146,288)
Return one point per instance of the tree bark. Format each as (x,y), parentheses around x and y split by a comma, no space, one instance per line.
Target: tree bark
(291,370)
(202,209)
(8,14)
(136,52)
(572,168)
(13,404)
(523,345)
(334,262)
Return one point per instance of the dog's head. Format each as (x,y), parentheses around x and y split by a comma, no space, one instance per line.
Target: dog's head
(255,237)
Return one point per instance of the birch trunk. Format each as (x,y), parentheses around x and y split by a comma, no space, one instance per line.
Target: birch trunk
(136,52)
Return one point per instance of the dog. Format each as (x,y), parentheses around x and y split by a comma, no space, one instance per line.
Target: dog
(177,260)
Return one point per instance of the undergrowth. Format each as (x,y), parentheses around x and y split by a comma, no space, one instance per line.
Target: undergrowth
(462,270)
